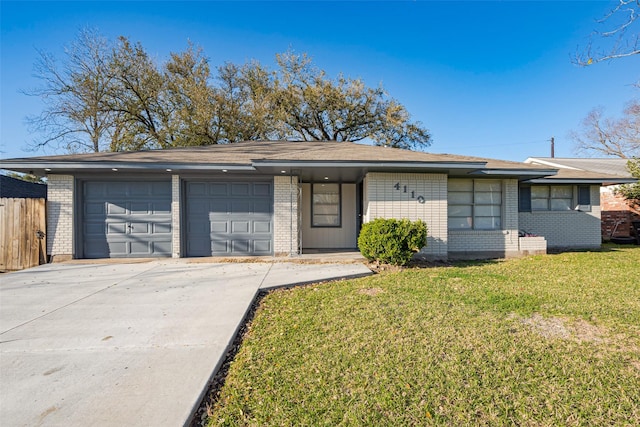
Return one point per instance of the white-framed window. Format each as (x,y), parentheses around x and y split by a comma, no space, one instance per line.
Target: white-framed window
(474,204)
(325,205)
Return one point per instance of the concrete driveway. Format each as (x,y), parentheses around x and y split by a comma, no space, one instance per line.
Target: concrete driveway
(128,343)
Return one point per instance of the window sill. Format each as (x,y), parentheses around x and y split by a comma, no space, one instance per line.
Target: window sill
(479,232)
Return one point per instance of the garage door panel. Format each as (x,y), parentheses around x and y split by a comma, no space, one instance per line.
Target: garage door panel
(201,246)
(93,208)
(219,246)
(93,228)
(262,227)
(199,207)
(115,209)
(197,189)
(117,188)
(161,247)
(140,189)
(140,248)
(261,247)
(240,246)
(219,227)
(218,189)
(139,228)
(126,219)
(219,206)
(161,228)
(240,189)
(262,189)
(238,214)
(240,227)
(138,208)
(197,228)
(242,207)
(116,228)
(261,207)
(161,207)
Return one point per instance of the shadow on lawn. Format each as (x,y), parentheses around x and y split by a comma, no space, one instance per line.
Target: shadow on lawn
(606,247)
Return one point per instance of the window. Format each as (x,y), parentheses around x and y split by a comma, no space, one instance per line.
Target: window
(554,198)
(475,204)
(325,205)
(584,196)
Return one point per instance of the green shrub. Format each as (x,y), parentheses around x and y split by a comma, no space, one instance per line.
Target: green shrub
(392,241)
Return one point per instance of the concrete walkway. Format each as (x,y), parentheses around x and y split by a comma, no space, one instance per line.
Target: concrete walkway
(121,344)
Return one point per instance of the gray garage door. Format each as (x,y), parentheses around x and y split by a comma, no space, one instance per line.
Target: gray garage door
(126,219)
(229,218)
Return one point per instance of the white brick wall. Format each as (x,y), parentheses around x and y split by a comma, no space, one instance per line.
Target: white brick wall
(176,246)
(502,242)
(285,215)
(383,200)
(60,201)
(567,229)
(533,245)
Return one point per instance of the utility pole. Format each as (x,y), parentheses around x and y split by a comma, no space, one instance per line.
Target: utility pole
(553,147)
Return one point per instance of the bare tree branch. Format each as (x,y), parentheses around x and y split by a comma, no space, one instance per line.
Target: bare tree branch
(610,137)
(619,37)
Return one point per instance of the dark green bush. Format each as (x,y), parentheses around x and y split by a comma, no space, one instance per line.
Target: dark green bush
(392,241)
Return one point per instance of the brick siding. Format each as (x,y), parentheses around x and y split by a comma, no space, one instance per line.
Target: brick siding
(60,216)
(500,243)
(176,245)
(566,229)
(285,215)
(383,200)
(617,214)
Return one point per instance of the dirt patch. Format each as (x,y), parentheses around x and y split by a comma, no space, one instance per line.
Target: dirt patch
(372,292)
(556,327)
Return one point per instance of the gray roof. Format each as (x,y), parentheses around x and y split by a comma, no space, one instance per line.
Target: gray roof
(19,189)
(609,166)
(310,160)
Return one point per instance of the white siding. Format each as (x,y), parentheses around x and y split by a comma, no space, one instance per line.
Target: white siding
(343,237)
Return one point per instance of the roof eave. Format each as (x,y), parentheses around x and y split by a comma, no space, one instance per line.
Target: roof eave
(58,167)
(521,174)
(368,164)
(601,181)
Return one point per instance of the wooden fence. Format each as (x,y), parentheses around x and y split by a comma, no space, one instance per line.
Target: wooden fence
(22,233)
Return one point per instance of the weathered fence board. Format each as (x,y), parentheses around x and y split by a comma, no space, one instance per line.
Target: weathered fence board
(22,231)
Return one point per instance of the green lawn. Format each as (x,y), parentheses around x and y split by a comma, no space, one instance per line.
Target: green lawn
(544,340)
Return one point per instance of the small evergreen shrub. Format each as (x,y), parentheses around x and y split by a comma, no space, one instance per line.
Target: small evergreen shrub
(392,241)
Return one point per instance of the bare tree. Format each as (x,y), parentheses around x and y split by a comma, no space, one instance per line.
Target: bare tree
(610,137)
(617,35)
(74,117)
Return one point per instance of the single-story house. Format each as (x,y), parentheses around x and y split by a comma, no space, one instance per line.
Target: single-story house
(283,198)
(617,213)
(14,188)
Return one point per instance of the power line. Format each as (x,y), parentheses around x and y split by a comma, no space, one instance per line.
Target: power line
(503,145)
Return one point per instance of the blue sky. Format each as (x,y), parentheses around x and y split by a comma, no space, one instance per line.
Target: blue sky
(489,79)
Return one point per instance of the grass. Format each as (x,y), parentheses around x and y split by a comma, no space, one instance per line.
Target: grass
(544,340)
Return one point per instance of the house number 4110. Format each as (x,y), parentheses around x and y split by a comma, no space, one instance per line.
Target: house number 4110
(404,189)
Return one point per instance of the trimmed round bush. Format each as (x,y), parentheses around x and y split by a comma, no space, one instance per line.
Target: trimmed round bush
(392,241)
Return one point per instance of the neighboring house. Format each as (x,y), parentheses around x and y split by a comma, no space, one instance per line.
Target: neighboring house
(13,188)
(282,198)
(617,213)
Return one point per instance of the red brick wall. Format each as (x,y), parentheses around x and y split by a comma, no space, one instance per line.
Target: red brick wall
(616,210)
